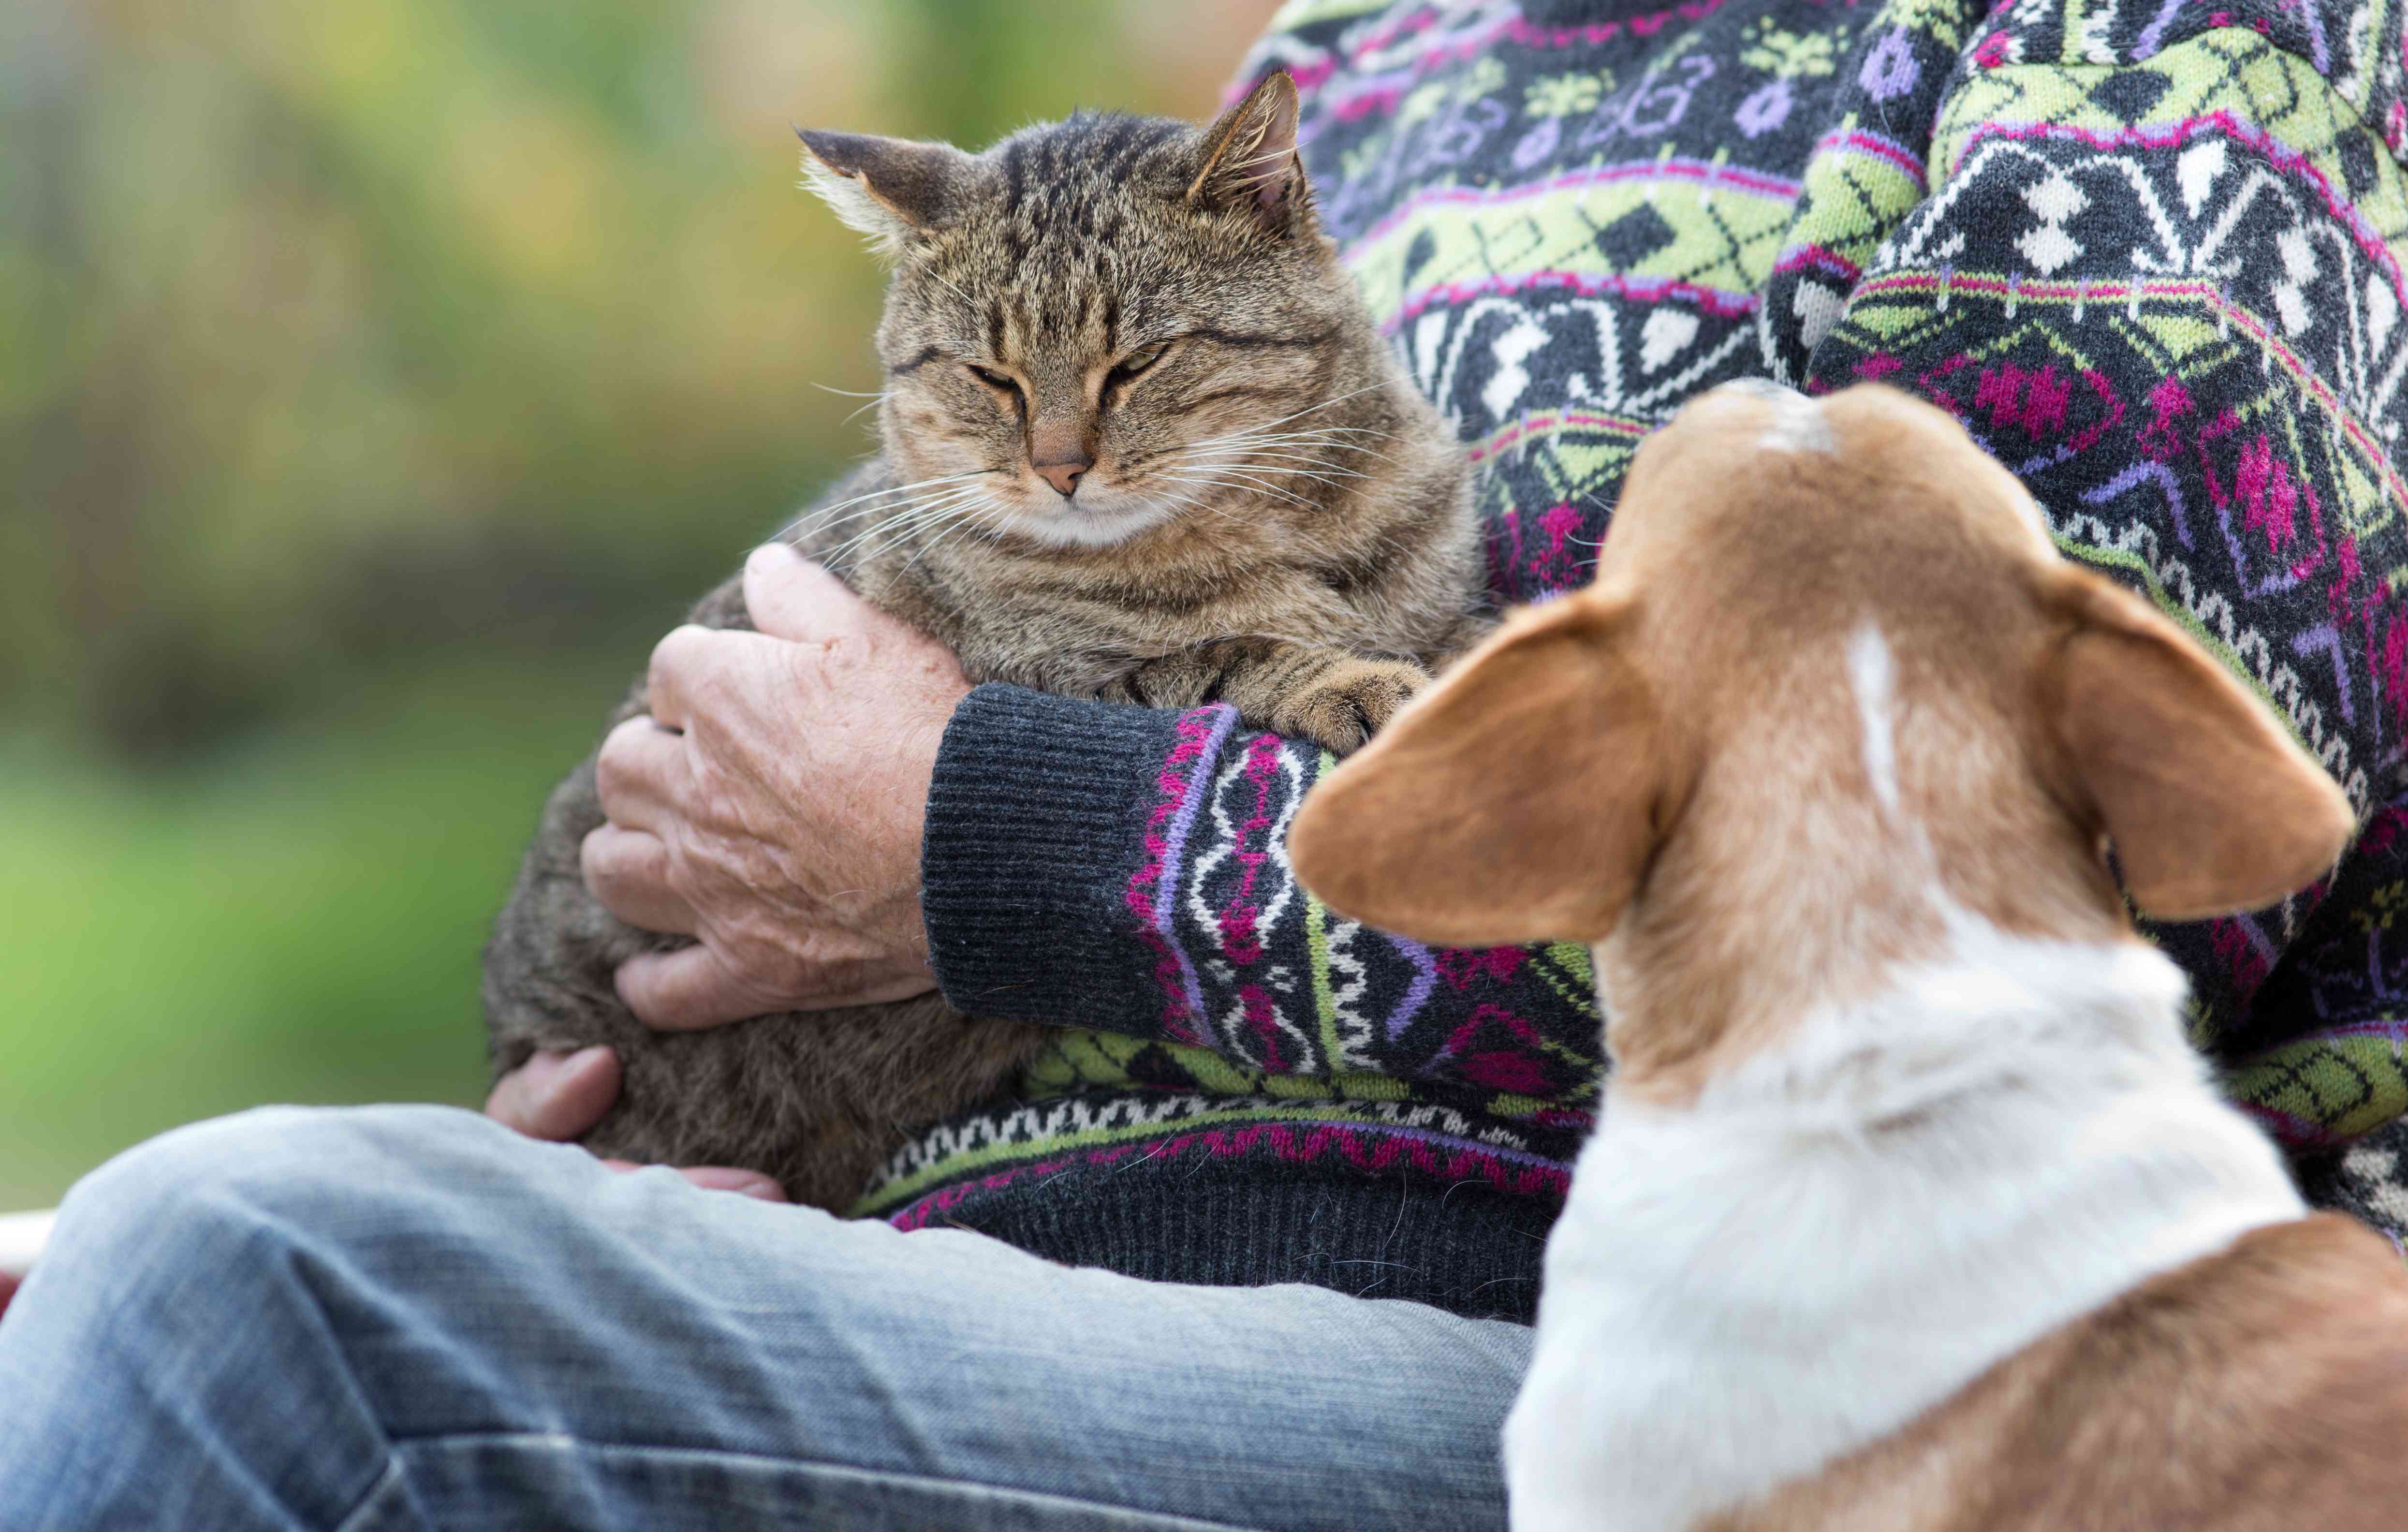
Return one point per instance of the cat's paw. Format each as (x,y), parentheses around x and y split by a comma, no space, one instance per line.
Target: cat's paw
(1349,703)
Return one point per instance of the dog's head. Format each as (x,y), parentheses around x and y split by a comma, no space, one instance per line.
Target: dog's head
(1832,663)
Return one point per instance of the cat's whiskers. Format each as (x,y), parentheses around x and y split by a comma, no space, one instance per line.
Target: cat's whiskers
(1316,446)
(1223,479)
(820,518)
(903,492)
(1335,399)
(1335,440)
(902,521)
(954,510)
(1296,463)
(896,489)
(1273,464)
(1273,438)
(1264,430)
(1265,434)
(1317,453)
(1258,480)
(913,514)
(1312,447)
(1178,503)
(1197,458)
(901,525)
(875,399)
(962,520)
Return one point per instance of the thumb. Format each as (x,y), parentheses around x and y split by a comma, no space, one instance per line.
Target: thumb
(791,597)
(556,1095)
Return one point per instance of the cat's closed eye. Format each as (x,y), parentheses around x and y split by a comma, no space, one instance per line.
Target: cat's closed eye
(1137,360)
(993,378)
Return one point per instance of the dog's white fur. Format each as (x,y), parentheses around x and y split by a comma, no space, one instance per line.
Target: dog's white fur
(1796,426)
(1873,673)
(1848,1227)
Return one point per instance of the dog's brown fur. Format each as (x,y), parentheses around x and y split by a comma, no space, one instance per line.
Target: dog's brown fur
(2261,1390)
(1669,764)
(1319,560)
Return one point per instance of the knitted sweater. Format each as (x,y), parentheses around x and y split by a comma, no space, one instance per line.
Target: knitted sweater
(2148,251)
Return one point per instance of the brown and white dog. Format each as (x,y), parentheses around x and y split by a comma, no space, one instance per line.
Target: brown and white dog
(1910,1206)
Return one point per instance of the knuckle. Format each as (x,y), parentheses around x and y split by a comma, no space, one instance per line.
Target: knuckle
(684,641)
(767,965)
(678,653)
(594,858)
(813,664)
(610,767)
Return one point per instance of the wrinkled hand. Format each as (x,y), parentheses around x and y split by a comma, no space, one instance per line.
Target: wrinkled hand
(557,1096)
(772,805)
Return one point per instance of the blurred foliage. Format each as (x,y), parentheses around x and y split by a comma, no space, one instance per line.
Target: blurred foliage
(375,379)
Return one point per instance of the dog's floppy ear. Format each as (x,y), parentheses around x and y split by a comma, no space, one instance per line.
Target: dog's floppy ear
(1515,801)
(2212,806)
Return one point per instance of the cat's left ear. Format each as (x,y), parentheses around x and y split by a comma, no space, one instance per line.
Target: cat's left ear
(1249,158)
(890,189)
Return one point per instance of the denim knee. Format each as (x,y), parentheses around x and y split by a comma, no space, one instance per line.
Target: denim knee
(210,1185)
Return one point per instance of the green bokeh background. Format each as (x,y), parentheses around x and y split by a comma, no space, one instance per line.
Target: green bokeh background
(377,377)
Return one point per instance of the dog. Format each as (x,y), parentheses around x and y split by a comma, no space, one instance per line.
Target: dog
(1910,1206)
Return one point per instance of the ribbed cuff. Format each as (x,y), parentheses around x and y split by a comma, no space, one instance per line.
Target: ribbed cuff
(1036,823)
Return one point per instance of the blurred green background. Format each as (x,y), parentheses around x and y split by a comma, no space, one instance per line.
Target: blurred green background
(377,378)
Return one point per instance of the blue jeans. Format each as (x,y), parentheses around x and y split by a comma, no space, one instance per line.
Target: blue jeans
(407,1317)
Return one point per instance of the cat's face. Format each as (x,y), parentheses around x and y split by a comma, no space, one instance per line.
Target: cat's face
(1101,325)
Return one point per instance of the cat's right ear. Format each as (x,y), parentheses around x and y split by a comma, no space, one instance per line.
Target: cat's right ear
(893,189)
(1249,158)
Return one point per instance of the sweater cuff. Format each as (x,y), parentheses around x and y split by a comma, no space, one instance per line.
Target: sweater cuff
(1036,823)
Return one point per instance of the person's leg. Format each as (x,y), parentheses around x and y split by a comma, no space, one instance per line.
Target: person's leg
(410,1318)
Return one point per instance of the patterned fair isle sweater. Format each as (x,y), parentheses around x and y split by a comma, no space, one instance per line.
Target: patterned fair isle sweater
(2148,250)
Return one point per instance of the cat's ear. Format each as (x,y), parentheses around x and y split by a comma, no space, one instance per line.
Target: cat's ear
(1249,158)
(890,189)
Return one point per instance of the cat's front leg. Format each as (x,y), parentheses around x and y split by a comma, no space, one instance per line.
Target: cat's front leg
(1333,698)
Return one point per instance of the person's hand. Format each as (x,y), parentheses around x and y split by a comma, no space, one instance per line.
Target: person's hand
(772,805)
(556,1097)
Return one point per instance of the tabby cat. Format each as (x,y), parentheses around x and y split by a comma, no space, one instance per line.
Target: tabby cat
(1141,443)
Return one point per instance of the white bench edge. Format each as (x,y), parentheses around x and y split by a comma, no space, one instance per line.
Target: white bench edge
(21,1238)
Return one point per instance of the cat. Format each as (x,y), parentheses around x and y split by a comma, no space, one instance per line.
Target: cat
(1141,443)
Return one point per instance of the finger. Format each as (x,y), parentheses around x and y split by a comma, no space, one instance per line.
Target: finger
(680,662)
(687,990)
(628,871)
(638,774)
(717,1177)
(791,597)
(556,1095)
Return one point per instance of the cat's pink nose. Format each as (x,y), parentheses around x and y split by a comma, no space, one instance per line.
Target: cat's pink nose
(1065,476)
